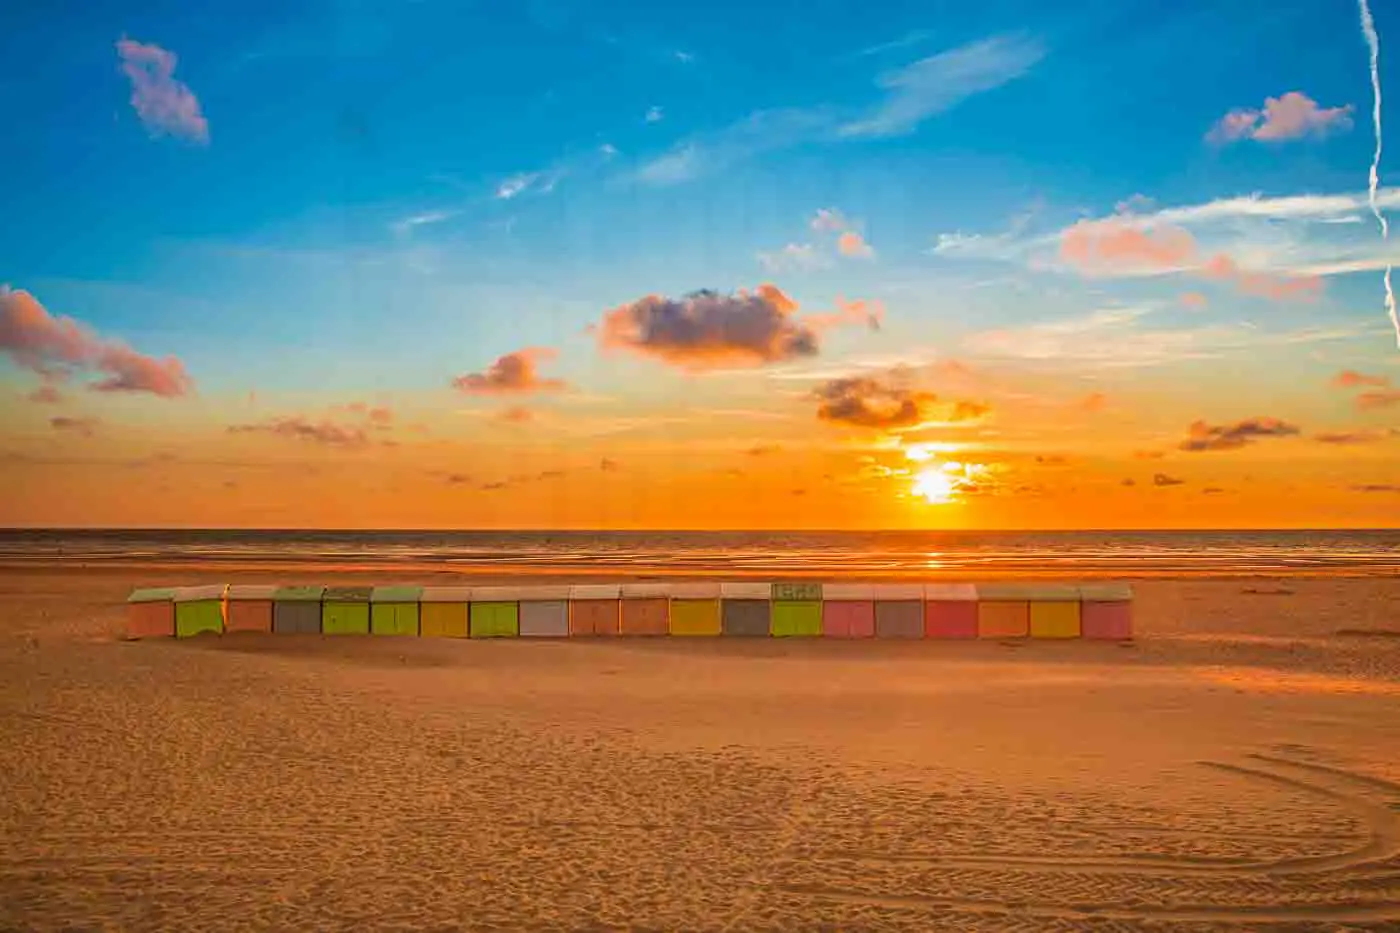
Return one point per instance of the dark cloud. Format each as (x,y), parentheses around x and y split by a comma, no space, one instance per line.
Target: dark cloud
(1211,491)
(1350,437)
(868,403)
(1051,460)
(608,465)
(83,426)
(300,428)
(1377,487)
(1204,436)
(707,329)
(1162,479)
(1129,481)
(514,373)
(55,346)
(456,479)
(46,394)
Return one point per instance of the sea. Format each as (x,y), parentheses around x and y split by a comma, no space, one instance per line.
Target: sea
(873,553)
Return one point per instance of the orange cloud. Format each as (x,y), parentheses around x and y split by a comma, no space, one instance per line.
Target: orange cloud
(1262,284)
(301,428)
(1350,437)
(513,373)
(1204,436)
(166,106)
(1193,299)
(1381,398)
(871,314)
(46,394)
(851,243)
(1162,479)
(83,426)
(1350,378)
(517,415)
(868,403)
(52,346)
(1292,116)
(968,411)
(1148,455)
(706,329)
(1093,402)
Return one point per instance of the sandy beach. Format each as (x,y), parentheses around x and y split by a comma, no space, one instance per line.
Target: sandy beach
(1238,765)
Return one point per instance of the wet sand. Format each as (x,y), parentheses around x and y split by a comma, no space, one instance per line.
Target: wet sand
(1237,766)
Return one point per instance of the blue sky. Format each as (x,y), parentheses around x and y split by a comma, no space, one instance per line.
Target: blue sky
(368,196)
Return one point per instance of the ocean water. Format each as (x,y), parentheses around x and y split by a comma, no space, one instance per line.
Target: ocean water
(934,553)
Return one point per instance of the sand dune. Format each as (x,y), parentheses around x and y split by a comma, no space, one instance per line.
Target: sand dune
(1236,767)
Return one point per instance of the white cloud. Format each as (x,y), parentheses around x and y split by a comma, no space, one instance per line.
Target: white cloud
(655,114)
(937,83)
(801,257)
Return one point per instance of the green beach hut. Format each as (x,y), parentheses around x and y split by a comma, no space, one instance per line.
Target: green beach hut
(393,610)
(345,610)
(199,609)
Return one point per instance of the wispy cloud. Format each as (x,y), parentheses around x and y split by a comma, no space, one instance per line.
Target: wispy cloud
(1292,116)
(794,257)
(935,84)
(408,224)
(911,95)
(166,106)
(42,343)
(910,38)
(301,428)
(655,114)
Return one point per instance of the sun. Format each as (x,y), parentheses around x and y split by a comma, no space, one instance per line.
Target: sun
(936,486)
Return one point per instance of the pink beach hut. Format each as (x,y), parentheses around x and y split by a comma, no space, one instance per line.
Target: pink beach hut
(646,609)
(595,609)
(150,613)
(950,610)
(544,611)
(1106,610)
(1003,610)
(899,610)
(848,610)
(249,608)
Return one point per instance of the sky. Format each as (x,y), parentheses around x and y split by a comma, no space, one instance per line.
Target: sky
(567,264)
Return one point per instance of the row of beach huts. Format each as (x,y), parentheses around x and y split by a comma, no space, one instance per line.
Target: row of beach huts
(752,609)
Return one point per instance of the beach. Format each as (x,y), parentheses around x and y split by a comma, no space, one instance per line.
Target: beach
(1236,765)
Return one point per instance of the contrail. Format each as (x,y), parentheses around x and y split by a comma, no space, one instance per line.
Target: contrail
(1368,28)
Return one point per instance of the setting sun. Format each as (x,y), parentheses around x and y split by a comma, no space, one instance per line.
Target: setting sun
(935,485)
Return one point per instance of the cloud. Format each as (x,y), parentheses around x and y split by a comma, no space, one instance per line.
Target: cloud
(1193,300)
(456,479)
(1095,245)
(857,311)
(829,220)
(408,224)
(1162,479)
(608,465)
(851,243)
(1262,284)
(870,403)
(516,415)
(1292,116)
(794,257)
(44,344)
(1203,436)
(911,95)
(380,416)
(1093,402)
(166,106)
(1350,437)
(1148,454)
(1381,398)
(1376,487)
(298,427)
(935,84)
(968,411)
(1128,481)
(1350,378)
(1211,491)
(655,114)
(513,373)
(707,329)
(46,394)
(83,426)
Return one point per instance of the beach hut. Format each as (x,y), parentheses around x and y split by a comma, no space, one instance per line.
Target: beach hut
(797,609)
(595,609)
(495,612)
(199,609)
(1106,610)
(746,609)
(695,609)
(899,610)
(393,610)
(950,610)
(544,611)
(443,611)
(345,610)
(645,609)
(1003,610)
(1054,610)
(249,608)
(848,610)
(150,613)
(296,610)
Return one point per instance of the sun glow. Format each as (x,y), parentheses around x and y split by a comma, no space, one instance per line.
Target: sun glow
(936,486)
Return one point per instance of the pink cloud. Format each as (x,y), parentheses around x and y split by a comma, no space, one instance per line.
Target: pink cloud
(1380,398)
(1193,299)
(859,311)
(166,106)
(1292,116)
(49,346)
(1350,379)
(1111,244)
(46,394)
(513,373)
(301,428)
